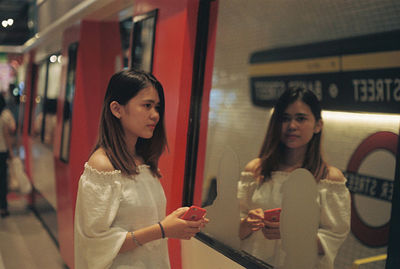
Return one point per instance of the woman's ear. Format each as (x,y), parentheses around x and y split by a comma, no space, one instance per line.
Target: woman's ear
(318,126)
(115,108)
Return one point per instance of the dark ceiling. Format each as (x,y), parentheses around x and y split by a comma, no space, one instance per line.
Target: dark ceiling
(19,32)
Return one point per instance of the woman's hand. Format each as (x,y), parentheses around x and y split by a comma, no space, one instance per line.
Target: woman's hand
(253,222)
(175,227)
(254,219)
(271,230)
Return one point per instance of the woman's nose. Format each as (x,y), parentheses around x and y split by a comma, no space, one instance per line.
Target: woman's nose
(292,124)
(154,114)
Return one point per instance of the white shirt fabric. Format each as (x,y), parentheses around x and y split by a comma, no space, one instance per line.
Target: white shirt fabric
(6,119)
(109,205)
(334,225)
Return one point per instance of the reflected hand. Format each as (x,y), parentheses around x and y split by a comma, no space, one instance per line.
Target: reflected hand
(254,219)
(271,230)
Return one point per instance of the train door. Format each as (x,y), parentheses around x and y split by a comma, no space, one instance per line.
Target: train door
(42,132)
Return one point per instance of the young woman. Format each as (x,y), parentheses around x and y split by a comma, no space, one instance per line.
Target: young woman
(5,153)
(120,210)
(293,140)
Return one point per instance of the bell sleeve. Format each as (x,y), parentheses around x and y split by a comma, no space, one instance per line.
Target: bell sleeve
(335,220)
(97,241)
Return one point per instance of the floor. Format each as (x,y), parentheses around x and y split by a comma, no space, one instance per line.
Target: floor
(24,242)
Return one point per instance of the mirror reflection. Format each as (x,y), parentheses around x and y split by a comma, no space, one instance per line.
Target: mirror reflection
(293,140)
(246,163)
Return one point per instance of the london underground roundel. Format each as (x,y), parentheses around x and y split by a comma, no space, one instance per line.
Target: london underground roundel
(373,236)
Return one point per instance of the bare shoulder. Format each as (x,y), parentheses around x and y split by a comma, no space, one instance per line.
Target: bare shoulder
(334,174)
(253,165)
(99,161)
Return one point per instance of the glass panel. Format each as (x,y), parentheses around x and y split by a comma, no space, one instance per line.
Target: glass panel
(237,126)
(50,103)
(68,103)
(39,100)
(21,97)
(125,28)
(143,41)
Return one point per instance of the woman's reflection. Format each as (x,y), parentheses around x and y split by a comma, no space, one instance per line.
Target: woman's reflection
(293,140)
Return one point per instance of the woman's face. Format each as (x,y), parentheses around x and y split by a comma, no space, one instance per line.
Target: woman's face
(140,115)
(298,125)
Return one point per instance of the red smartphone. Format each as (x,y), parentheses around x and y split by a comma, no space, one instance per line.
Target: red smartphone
(272,215)
(194,213)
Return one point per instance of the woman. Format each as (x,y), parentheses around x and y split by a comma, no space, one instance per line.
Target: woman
(120,211)
(293,140)
(5,153)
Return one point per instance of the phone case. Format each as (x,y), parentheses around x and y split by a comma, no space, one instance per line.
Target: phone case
(272,214)
(194,213)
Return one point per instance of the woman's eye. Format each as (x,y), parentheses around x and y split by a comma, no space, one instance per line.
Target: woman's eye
(147,105)
(301,119)
(285,119)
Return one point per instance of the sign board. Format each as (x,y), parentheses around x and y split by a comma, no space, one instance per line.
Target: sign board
(355,74)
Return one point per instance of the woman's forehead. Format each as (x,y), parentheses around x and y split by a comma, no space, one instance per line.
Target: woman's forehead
(298,107)
(148,93)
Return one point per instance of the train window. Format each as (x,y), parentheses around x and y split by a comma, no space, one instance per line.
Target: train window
(236,125)
(143,41)
(44,121)
(32,103)
(125,28)
(68,102)
(37,115)
(21,101)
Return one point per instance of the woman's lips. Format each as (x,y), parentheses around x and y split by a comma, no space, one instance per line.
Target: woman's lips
(291,136)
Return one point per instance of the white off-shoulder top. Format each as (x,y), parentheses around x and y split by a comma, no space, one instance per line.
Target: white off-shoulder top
(108,206)
(334,225)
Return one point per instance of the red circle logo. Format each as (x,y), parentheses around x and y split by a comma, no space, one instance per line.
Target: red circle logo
(371,236)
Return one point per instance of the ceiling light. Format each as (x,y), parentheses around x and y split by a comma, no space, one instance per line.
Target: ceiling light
(8,22)
(53,58)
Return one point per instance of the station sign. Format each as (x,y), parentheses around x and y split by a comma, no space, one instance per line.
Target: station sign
(355,74)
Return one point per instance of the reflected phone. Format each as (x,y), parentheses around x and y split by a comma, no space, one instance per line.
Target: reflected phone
(272,215)
(194,213)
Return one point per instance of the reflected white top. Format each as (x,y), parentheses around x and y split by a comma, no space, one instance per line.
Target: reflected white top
(334,225)
(110,204)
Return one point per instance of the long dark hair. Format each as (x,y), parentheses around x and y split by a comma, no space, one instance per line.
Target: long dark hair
(122,87)
(271,153)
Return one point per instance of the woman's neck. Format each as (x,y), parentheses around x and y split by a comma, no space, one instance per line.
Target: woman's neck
(130,142)
(293,159)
